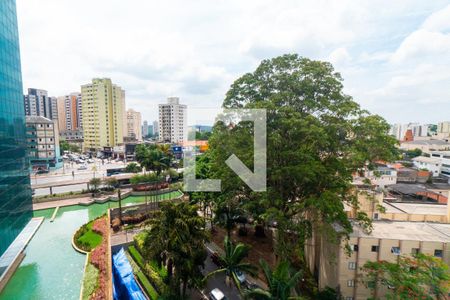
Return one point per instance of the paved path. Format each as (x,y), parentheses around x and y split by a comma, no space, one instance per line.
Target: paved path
(72,201)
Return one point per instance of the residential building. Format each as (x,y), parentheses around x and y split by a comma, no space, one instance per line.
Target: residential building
(145,128)
(431,164)
(172,121)
(70,116)
(387,241)
(382,176)
(443,127)
(38,103)
(398,229)
(151,130)
(43,143)
(103,111)
(155,128)
(15,190)
(426,145)
(417,130)
(134,128)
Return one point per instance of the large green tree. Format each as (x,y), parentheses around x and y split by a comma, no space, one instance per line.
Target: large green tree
(317,136)
(177,238)
(419,277)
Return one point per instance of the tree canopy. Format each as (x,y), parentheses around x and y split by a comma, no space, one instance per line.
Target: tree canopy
(317,137)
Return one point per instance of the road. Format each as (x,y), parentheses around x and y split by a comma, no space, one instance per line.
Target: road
(96,169)
(218,280)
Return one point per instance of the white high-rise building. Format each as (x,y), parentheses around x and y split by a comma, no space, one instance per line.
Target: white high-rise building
(172,121)
(155,128)
(38,103)
(134,124)
(418,130)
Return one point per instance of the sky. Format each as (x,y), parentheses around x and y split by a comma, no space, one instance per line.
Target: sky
(394,56)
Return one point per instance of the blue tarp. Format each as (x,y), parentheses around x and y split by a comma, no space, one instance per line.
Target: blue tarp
(125,286)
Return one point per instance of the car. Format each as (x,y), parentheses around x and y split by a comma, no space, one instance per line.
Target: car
(215,257)
(217,294)
(82,167)
(240,276)
(42,171)
(90,160)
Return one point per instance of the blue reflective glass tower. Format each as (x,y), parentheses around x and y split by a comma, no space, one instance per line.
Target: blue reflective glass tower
(15,190)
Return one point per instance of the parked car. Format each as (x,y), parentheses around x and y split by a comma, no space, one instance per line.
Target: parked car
(42,171)
(82,167)
(90,160)
(215,257)
(217,294)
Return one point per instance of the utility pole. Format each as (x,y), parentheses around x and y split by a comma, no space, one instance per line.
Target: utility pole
(119,194)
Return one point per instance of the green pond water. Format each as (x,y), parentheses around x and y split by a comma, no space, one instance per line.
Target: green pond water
(52,269)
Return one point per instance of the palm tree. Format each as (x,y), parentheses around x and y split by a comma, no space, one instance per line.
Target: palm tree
(232,261)
(153,158)
(176,238)
(281,281)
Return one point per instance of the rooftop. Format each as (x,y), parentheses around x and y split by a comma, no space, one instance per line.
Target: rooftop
(425,159)
(37,119)
(413,231)
(420,208)
(427,142)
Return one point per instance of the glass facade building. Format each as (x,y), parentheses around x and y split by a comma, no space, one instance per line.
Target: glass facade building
(15,189)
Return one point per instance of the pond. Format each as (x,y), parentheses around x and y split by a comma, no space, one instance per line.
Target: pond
(52,269)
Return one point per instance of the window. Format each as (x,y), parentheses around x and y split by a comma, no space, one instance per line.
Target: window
(395,250)
(354,248)
(351,265)
(415,251)
(438,253)
(375,248)
(350,283)
(376,216)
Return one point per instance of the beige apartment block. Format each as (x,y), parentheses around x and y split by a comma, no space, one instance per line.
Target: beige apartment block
(387,241)
(134,127)
(103,110)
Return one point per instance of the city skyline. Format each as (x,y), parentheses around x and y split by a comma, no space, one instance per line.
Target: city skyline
(383,50)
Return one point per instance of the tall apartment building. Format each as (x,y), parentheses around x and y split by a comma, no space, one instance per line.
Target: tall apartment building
(134,129)
(443,127)
(38,103)
(15,190)
(145,128)
(417,130)
(43,143)
(70,116)
(155,128)
(103,110)
(172,121)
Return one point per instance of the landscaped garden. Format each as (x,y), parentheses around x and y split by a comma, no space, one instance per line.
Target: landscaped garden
(93,238)
(86,238)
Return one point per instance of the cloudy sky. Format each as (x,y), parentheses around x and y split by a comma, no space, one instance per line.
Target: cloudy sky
(394,55)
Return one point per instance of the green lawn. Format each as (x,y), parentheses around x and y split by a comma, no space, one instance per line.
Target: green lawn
(90,237)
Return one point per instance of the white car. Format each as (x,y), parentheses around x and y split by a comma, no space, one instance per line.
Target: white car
(217,294)
(90,160)
(82,167)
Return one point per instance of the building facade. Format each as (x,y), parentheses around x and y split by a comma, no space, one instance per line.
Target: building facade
(172,121)
(134,127)
(43,143)
(70,116)
(103,110)
(15,190)
(38,103)
(155,128)
(145,128)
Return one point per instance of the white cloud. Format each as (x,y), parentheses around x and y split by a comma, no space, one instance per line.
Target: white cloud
(195,49)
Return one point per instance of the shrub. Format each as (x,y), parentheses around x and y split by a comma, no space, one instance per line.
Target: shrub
(145,178)
(90,280)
